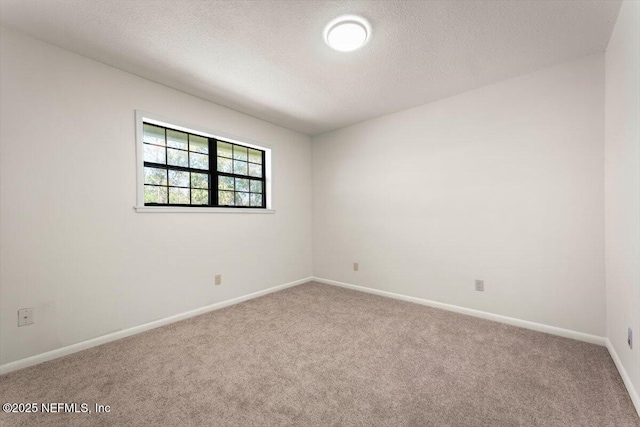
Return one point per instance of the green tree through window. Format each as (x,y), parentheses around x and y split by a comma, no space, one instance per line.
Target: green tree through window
(185,169)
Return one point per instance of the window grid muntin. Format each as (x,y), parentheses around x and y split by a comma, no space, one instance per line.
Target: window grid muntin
(212,172)
(246,176)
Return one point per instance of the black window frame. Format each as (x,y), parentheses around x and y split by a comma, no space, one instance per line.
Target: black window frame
(212,171)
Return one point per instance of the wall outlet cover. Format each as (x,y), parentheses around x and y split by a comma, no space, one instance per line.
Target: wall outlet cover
(25,316)
(356,266)
(480,285)
(630,338)
(218,279)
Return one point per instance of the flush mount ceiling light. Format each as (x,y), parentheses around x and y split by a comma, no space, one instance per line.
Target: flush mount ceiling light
(347,33)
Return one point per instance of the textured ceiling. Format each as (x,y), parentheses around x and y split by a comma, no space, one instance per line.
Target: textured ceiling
(268,59)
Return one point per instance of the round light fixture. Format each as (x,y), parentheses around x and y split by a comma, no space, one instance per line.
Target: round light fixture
(347,33)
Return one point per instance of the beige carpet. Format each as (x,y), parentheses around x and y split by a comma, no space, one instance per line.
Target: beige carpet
(318,355)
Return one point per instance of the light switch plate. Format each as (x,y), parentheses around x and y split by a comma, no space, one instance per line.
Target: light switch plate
(480,285)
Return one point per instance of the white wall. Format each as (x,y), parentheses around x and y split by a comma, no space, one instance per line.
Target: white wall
(72,245)
(504,183)
(622,187)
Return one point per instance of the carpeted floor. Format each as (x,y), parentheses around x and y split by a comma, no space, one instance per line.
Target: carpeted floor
(318,355)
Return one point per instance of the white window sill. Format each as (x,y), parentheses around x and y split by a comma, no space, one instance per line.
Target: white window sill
(184,209)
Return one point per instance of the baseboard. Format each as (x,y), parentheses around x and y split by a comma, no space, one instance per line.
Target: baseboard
(633,394)
(553,330)
(74,348)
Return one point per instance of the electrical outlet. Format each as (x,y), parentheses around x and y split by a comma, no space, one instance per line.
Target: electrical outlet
(25,316)
(480,285)
(218,279)
(356,267)
(630,337)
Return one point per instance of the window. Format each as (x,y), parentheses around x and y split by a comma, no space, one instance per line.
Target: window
(185,168)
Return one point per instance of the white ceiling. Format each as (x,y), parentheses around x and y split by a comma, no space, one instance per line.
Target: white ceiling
(268,59)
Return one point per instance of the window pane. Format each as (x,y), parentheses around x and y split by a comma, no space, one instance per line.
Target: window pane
(225,198)
(224,149)
(177,157)
(239,153)
(255,170)
(255,156)
(199,180)
(225,183)
(242,199)
(179,196)
(242,184)
(225,165)
(178,178)
(239,168)
(256,186)
(155,176)
(200,197)
(154,154)
(153,134)
(177,139)
(256,200)
(199,144)
(199,161)
(153,194)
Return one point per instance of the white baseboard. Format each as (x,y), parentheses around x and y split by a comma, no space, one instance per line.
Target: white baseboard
(74,348)
(633,394)
(553,330)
